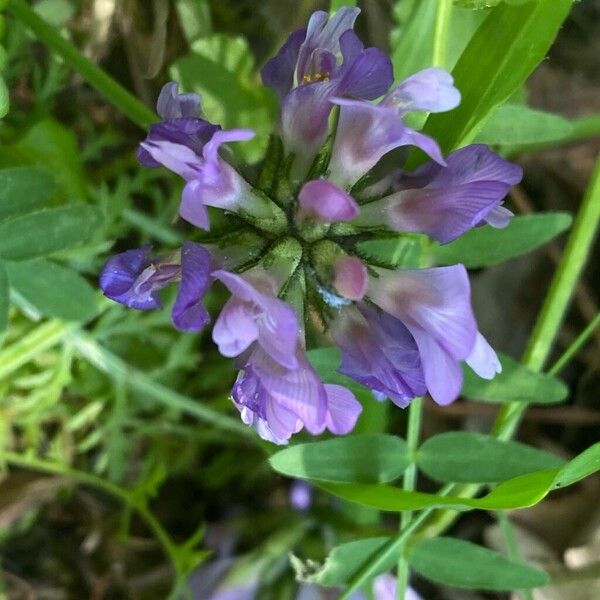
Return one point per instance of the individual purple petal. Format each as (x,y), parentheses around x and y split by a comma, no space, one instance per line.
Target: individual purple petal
(192,208)
(325,201)
(251,315)
(499,217)
(365,133)
(384,587)
(175,156)
(343,409)
(430,90)
(483,360)
(188,312)
(350,277)
(278,72)
(172,105)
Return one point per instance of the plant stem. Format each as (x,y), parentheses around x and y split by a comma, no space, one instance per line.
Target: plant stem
(118,369)
(512,546)
(440,37)
(415,414)
(114,92)
(576,346)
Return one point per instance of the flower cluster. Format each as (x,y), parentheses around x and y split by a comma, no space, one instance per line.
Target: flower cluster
(332,178)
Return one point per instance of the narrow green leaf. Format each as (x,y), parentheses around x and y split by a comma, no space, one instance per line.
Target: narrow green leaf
(4,299)
(516,124)
(54,290)
(41,233)
(459,563)
(467,457)
(583,465)
(506,48)
(24,188)
(516,383)
(4,98)
(335,5)
(482,4)
(367,458)
(485,246)
(342,563)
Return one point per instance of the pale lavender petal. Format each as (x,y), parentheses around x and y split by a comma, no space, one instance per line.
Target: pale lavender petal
(499,217)
(188,312)
(176,157)
(192,208)
(301,494)
(210,153)
(172,105)
(430,90)
(326,202)
(436,300)
(235,329)
(384,587)
(238,286)
(483,360)
(278,72)
(350,277)
(278,331)
(343,409)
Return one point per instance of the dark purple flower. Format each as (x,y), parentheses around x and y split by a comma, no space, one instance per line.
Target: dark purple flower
(366,132)
(134,278)
(379,352)
(326,202)
(309,58)
(255,314)
(435,306)
(445,202)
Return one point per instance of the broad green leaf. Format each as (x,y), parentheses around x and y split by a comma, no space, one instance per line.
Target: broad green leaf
(505,49)
(342,563)
(581,466)
(486,245)
(55,12)
(194,18)
(516,383)
(482,4)
(24,188)
(46,231)
(4,299)
(54,290)
(467,457)
(515,124)
(459,563)
(221,68)
(4,98)
(402,252)
(367,458)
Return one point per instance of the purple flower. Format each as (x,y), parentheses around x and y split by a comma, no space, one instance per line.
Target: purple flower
(350,278)
(255,314)
(435,307)
(134,278)
(445,202)
(326,202)
(301,495)
(279,402)
(366,132)
(310,58)
(379,352)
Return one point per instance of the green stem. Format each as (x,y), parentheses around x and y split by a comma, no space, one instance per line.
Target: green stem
(415,415)
(440,37)
(576,346)
(512,546)
(118,369)
(115,93)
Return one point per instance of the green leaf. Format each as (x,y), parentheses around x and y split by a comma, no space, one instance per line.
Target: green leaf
(459,563)
(24,188)
(4,299)
(221,68)
(335,5)
(54,290)
(467,457)
(506,48)
(402,252)
(482,4)
(587,463)
(41,233)
(4,98)
(515,124)
(486,245)
(516,383)
(342,563)
(367,458)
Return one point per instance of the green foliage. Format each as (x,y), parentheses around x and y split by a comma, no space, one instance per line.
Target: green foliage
(367,458)
(487,246)
(516,383)
(467,457)
(459,563)
(221,69)
(23,189)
